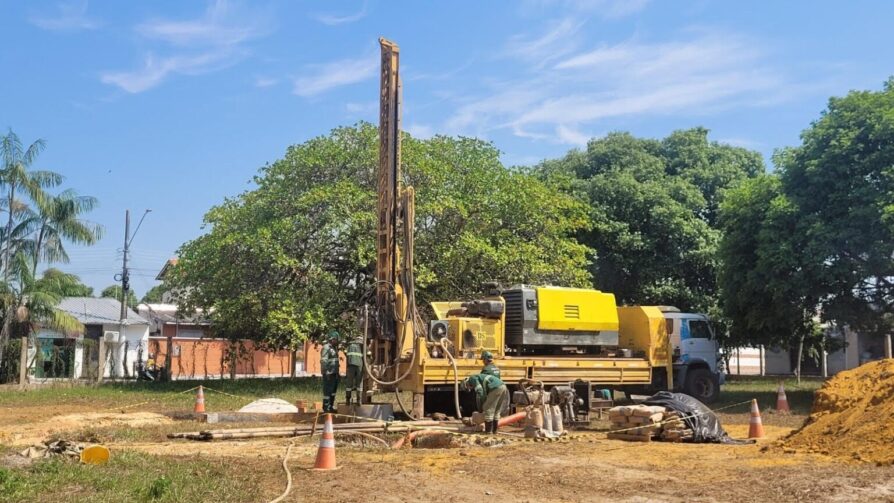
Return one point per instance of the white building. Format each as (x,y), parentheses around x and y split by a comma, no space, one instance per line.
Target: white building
(858,349)
(76,356)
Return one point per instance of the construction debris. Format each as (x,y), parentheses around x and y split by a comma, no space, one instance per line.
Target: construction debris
(52,448)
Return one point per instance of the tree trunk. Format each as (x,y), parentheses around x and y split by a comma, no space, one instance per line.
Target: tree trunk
(7,320)
(23,364)
(888,346)
(293,358)
(800,355)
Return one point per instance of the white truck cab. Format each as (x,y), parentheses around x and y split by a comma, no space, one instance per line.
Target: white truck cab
(696,354)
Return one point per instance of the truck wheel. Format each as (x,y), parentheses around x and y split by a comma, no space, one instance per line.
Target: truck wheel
(701,384)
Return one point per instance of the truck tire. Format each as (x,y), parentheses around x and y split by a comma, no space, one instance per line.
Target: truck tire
(702,385)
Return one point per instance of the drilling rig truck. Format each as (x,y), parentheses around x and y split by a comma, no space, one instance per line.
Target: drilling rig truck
(576,339)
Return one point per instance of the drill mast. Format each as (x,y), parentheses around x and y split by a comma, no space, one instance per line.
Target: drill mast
(395,303)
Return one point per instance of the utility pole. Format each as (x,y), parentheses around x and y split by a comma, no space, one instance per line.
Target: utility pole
(125,282)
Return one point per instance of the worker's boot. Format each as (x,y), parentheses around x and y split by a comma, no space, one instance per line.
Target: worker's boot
(487,426)
(494,425)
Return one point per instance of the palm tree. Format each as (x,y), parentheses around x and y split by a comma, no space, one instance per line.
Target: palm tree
(36,301)
(57,220)
(16,176)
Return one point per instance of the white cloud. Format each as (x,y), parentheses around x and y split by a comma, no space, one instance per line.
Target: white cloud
(704,73)
(263,82)
(70,16)
(559,40)
(333,19)
(221,25)
(155,70)
(212,42)
(570,135)
(324,77)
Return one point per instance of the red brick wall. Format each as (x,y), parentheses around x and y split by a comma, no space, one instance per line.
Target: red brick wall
(203,358)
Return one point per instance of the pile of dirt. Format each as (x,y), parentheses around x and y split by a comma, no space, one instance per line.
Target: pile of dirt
(852,416)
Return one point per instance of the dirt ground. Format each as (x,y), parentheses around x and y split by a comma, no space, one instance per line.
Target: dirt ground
(591,468)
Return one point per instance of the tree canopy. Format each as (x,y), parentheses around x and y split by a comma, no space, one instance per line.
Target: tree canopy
(817,237)
(286,260)
(653,207)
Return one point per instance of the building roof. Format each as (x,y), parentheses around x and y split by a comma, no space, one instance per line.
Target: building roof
(167,267)
(167,313)
(93,311)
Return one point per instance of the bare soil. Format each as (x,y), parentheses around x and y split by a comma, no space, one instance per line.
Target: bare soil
(589,469)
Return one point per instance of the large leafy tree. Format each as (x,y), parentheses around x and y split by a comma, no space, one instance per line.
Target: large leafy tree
(817,238)
(286,260)
(653,208)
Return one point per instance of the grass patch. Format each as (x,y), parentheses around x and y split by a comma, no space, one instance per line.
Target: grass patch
(741,389)
(166,396)
(132,476)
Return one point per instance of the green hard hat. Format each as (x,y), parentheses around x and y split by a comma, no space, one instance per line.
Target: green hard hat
(487,355)
(333,335)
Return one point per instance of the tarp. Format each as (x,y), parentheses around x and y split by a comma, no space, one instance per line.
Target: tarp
(698,417)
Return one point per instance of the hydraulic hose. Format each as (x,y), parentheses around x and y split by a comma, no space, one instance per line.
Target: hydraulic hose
(396,364)
(443,344)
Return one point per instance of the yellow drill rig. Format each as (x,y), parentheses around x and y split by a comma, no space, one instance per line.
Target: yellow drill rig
(576,339)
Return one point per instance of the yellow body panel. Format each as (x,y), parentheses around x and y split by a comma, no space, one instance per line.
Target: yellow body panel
(644,329)
(576,309)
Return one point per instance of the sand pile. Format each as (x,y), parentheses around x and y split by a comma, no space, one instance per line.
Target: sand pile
(853,416)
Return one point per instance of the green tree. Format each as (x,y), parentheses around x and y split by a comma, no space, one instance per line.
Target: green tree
(765,293)
(816,238)
(284,261)
(652,207)
(154,294)
(840,181)
(114,292)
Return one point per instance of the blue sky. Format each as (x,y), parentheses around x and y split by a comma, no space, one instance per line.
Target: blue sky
(174,105)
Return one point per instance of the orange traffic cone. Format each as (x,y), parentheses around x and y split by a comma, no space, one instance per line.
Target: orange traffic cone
(200,401)
(326,451)
(782,400)
(755,427)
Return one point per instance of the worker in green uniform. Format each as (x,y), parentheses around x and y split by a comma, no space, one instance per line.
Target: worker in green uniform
(354,374)
(489,368)
(492,397)
(329,369)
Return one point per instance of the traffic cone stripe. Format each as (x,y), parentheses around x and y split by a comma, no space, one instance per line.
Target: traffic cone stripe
(326,452)
(755,426)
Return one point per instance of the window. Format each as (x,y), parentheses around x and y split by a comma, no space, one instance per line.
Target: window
(670,326)
(699,329)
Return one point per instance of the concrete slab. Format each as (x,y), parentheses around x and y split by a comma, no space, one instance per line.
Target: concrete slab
(269,406)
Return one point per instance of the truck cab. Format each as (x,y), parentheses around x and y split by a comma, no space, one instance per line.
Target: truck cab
(696,354)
